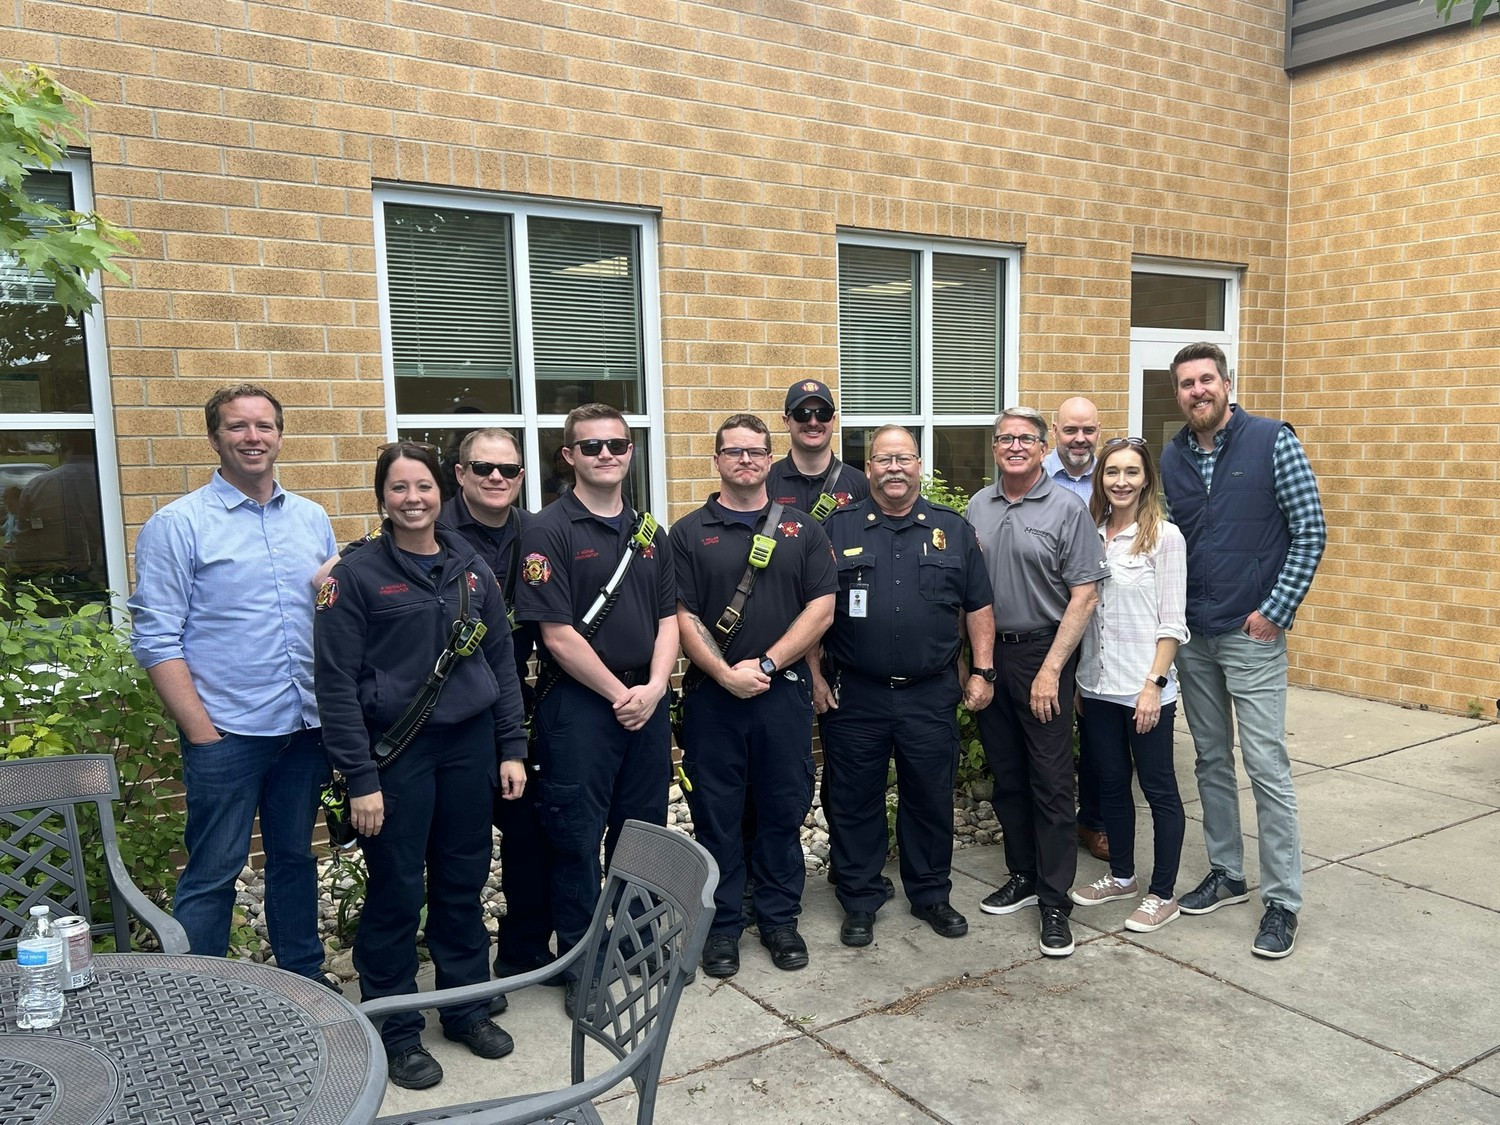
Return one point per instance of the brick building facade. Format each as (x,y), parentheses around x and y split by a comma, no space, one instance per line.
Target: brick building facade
(938,209)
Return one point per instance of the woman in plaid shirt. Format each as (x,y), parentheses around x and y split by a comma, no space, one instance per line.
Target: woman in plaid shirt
(1127,686)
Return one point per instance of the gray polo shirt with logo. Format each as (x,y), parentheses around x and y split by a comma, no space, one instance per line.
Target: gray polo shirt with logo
(1036,550)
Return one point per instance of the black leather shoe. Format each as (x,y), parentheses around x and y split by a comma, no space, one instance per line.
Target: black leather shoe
(858,928)
(571,992)
(1057,935)
(721,955)
(414,1069)
(485,1038)
(788,950)
(1018,892)
(944,920)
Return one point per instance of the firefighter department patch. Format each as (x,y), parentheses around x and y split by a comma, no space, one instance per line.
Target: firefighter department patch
(328,593)
(535,569)
(789,528)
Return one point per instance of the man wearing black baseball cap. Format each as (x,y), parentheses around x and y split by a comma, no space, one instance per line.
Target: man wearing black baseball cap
(810,473)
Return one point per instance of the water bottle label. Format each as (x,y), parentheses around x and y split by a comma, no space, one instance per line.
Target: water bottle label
(32,956)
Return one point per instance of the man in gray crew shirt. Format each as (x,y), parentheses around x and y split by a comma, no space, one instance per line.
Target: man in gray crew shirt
(1044,560)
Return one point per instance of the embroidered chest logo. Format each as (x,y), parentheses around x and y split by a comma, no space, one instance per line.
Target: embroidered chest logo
(711,541)
(586,553)
(648,551)
(394,588)
(789,528)
(843,498)
(535,569)
(328,593)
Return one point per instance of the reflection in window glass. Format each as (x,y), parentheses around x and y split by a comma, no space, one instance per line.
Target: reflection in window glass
(963,457)
(1159,300)
(51,532)
(559,476)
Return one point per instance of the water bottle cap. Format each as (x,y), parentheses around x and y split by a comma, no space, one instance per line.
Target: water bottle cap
(35,910)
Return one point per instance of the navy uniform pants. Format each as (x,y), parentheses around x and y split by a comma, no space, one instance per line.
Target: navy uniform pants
(919,725)
(763,744)
(524,941)
(595,776)
(438,797)
(1033,766)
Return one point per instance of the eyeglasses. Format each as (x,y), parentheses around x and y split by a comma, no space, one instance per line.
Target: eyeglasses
(422,445)
(808,413)
(592,447)
(485,468)
(1024,440)
(886,460)
(736,452)
(1133,442)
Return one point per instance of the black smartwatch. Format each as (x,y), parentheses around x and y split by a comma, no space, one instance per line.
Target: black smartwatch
(989,675)
(1159,681)
(767,665)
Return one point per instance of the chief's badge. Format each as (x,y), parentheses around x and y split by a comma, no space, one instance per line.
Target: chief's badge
(328,593)
(939,539)
(535,569)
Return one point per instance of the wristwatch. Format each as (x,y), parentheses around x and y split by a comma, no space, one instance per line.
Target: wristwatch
(767,665)
(1159,681)
(989,675)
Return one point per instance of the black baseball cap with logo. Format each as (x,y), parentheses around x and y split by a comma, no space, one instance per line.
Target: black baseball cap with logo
(804,389)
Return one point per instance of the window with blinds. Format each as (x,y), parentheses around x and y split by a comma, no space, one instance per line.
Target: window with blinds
(923,342)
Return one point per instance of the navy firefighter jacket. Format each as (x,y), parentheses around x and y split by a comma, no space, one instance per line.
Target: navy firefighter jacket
(382,621)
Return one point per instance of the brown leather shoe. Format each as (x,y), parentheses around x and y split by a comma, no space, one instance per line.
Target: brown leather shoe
(1096,842)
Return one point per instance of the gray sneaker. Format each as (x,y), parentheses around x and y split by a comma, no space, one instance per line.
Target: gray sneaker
(1216,890)
(1278,933)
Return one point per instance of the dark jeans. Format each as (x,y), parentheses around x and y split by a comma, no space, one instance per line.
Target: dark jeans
(595,776)
(438,805)
(1113,743)
(1089,813)
(1033,766)
(226,781)
(761,746)
(919,725)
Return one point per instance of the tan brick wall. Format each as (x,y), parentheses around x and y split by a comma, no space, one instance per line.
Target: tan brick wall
(1393,363)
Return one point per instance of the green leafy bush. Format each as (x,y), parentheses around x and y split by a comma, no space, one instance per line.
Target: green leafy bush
(69,685)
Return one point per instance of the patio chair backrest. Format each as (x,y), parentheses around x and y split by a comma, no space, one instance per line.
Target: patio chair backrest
(41,845)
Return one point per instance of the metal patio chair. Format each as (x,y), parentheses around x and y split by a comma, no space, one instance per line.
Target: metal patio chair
(41,850)
(644,943)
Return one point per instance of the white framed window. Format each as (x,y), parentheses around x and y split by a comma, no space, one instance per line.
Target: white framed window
(61,525)
(928,339)
(498,311)
(1173,304)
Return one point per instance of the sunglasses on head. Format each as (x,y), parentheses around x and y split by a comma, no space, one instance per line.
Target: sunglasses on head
(1133,442)
(808,413)
(592,447)
(422,445)
(485,468)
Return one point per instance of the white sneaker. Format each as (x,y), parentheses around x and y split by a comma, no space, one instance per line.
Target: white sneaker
(1153,913)
(1106,889)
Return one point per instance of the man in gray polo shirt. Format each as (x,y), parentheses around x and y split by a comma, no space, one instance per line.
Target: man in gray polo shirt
(1044,560)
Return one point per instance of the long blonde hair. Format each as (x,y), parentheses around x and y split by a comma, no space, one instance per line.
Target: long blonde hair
(1148,517)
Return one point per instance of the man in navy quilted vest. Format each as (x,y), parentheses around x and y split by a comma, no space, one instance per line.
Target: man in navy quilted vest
(1241,489)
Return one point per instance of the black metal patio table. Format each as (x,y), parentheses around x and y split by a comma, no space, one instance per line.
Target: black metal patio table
(183,1040)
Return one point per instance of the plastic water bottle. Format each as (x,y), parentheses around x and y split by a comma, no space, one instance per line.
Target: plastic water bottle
(40,957)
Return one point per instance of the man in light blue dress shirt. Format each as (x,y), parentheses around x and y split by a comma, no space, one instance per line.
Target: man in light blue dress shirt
(1071,465)
(222,622)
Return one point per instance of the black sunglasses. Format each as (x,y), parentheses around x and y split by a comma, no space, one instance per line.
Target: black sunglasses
(808,413)
(592,447)
(1133,442)
(485,468)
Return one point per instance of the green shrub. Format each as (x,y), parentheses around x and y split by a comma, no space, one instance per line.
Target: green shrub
(69,685)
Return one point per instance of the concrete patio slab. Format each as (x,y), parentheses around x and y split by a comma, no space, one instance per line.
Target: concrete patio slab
(1331,730)
(1389,963)
(1466,765)
(1009,1048)
(1451,1102)
(1345,814)
(1457,861)
(789,1084)
(1485,1074)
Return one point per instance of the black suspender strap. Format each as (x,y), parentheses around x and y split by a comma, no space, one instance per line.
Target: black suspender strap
(761,547)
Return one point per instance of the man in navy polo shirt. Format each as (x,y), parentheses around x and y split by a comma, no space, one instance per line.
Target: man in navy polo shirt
(799,478)
(602,740)
(747,724)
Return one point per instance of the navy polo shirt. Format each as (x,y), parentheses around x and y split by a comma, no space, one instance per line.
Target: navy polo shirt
(496,550)
(711,549)
(567,556)
(922,571)
(787,484)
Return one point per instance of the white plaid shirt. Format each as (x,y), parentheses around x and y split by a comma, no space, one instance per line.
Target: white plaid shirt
(1143,600)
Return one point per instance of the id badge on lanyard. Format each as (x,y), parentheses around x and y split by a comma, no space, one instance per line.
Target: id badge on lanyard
(859,599)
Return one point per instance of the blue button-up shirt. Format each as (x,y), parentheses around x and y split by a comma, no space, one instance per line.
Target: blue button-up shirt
(224,584)
(1083,486)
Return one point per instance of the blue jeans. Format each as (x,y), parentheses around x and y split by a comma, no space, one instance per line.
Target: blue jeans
(226,782)
(1113,742)
(1227,679)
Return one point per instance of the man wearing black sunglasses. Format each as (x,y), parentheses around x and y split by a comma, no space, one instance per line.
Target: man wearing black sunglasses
(802,476)
(487,512)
